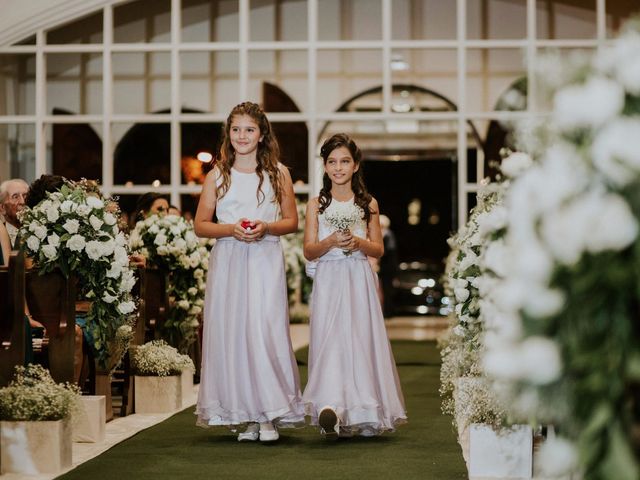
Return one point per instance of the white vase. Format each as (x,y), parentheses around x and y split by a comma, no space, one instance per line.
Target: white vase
(35,447)
(505,453)
(89,421)
(186,385)
(158,394)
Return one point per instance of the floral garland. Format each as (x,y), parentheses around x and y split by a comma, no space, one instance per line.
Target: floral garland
(76,231)
(169,242)
(564,337)
(465,392)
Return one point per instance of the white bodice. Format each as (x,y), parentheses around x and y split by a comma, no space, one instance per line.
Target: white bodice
(241,200)
(324,230)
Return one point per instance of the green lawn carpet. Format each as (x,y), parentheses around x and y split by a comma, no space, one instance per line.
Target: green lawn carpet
(425,448)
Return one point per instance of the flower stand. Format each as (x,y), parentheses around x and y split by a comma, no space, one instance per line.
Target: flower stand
(186,386)
(90,420)
(35,447)
(506,453)
(158,394)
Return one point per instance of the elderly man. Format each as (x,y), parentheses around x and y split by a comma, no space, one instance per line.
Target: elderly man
(12,196)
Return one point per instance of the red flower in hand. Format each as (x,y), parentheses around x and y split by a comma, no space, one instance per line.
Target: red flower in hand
(246,224)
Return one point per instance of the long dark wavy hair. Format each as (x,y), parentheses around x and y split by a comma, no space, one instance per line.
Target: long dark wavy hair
(267,156)
(361,197)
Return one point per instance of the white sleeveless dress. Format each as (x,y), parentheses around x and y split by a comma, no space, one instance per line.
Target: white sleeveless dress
(351,365)
(249,372)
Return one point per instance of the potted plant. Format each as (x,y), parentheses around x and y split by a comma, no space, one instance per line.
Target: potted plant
(35,431)
(162,377)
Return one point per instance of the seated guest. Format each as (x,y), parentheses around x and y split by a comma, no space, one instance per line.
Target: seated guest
(5,246)
(148,204)
(12,197)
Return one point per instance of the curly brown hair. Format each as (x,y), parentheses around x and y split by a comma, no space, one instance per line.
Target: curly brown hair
(267,157)
(361,197)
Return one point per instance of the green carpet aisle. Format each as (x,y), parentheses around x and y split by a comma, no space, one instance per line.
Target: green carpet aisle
(424,449)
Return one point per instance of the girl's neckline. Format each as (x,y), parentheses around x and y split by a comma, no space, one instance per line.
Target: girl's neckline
(343,201)
(244,173)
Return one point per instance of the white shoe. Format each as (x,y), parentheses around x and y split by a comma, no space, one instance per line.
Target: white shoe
(251,434)
(329,423)
(269,434)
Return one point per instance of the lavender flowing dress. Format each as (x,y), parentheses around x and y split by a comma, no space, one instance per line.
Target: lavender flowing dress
(249,373)
(351,366)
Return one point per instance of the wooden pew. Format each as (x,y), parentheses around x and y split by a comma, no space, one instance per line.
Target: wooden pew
(12,321)
(51,301)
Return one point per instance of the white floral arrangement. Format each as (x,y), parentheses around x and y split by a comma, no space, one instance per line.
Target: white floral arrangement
(76,231)
(342,217)
(461,347)
(170,243)
(158,358)
(33,395)
(563,336)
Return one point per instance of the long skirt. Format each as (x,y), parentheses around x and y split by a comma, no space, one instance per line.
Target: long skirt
(351,365)
(249,372)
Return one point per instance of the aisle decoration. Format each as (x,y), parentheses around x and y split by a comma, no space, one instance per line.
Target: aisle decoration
(35,427)
(76,231)
(564,338)
(170,243)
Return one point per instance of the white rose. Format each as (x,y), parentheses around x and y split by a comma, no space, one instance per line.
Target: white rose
(109,298)
(184,304)
(195,259)
(120,256)
(94,202)
(76,243)
(162,250)
(154,229)
(195,310)
(71,226)
(588,105)
(53,214)
(83,210)
(109,218)
(515,164)
(557,458)
(180,244)
(40,231)
(128,281)
(121,239)
(161,239)
(68,206)
(93,249)
(50,251)
(126,307)
(503,362)
(614,227)
(115,270)
(95,222)
(543,302)
(53,240)
(192,291)
(541,362)
(198,273)
(33,243)
(615,151)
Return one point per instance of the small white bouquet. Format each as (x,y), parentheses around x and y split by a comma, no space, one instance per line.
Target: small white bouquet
(343,217)
(170,243)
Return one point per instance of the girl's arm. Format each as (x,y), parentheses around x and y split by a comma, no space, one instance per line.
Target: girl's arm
(203,223)
(289,221)
(5,244)
(312,247)
(372,247)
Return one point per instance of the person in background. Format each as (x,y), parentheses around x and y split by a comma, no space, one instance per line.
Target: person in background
(13,194)
(148,204)
(388,266)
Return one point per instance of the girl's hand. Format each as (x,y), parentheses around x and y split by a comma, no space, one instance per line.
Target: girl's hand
(344,240)
(258,231)
(242,229)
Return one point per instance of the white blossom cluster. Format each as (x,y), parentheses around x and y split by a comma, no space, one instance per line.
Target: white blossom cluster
(157,358)
(570,203)
(170,243)
(33,395)
(77,232)
(343,216)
